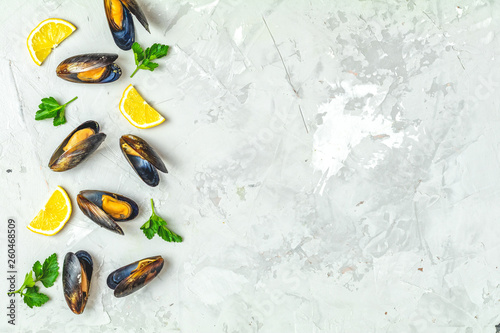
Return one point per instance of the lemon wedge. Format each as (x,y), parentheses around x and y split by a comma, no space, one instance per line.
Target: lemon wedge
(137,111)
(46,36)
(52,218)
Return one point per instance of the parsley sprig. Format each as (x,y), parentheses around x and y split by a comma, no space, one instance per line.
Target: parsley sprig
(143,59)
(157,225)
(46,273)
(50,108)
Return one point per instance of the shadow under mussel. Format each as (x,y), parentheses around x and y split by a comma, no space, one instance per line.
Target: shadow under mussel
(77,273)
(90,68)
(105,208)
(128,279)
(119,16)
(143,159)
(77,146)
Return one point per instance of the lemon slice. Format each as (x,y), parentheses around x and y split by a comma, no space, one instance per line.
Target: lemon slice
(137,111)
(52,218)
(47,36)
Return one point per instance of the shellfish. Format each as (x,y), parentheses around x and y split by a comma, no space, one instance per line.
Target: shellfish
(119,16)
(77,146)
(143,159)
(77,273)
(128,279)
(105,208)
(90,68)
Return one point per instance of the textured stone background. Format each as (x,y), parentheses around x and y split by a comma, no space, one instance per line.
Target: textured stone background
(333,165)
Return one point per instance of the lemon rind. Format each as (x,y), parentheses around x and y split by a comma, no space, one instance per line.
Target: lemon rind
(37,28)
(127,116)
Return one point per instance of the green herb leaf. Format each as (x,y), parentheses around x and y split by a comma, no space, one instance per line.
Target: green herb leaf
(157,51)
(138,53)
(149,228)
(28,280)
(157,225)
(47,273)
(148,232)
(50,271)
(143,58)
(59,119)
(150,66)
(37,269)
(47,107)
(51,101)
(44,114)
(50,108)
(33,298)
(168,235)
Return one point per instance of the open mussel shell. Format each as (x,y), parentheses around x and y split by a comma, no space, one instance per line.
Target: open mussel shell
(143,159)
(105,208)
(121,24)
(77,146)
(77,273)
(134,276)
(90,68)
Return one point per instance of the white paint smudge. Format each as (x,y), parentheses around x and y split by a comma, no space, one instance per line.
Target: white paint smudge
(238,35)
(212,285)
(341,131)
(207,7)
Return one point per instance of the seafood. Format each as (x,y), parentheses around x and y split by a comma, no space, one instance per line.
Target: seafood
(105,208)
(77,146)
(130,278)
(121,24)
(90,68)
(143,159)
(77,273)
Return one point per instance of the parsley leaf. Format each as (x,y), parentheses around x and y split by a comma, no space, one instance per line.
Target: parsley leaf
(168,235)
(50,271)
(138,53)
(51,101)
(46,273)
(28,280)
(143,58)
(156,51)
(33,298)
(150,66)
(37,269)
(50,108)
(157,225)
(148,230)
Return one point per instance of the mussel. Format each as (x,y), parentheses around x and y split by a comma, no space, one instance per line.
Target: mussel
(121,24)
(134,276)
(105,208)
(77,273)
(77,146)
(143,159)
(90,68)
